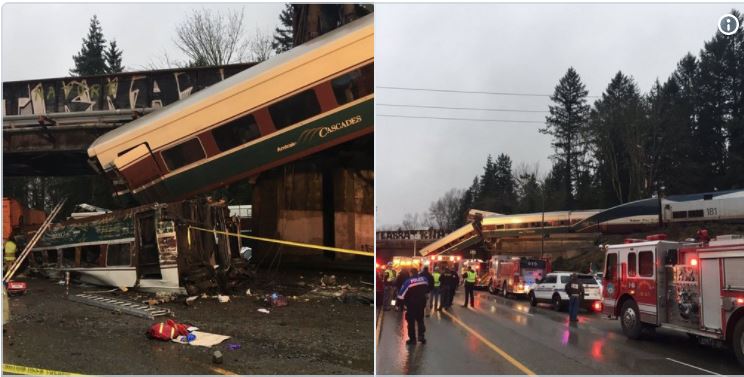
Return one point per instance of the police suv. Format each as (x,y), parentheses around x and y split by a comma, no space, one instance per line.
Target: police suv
(552,289)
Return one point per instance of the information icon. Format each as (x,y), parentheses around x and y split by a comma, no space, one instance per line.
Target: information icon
(728,24)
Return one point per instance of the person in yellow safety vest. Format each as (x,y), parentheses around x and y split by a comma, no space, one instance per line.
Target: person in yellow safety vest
(390,290)
(9,253)
(435,294)
(469,277)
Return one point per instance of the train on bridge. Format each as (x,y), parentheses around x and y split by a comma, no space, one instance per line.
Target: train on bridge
(638,216)
(313,97)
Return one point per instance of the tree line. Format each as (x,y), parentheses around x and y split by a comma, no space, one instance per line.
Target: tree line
(686,135)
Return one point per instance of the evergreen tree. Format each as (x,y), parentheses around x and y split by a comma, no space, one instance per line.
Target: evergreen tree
(567,124)
(714,95)
(505,185)
(90,60)
(733,66)
(467,202)
(618,129)
(284,33)
(529,193)
(113,59)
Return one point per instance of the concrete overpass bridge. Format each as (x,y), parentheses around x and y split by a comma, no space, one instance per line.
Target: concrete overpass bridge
(409,242)
(48,124)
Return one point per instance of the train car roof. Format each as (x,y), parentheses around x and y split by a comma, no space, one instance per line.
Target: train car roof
(141,125)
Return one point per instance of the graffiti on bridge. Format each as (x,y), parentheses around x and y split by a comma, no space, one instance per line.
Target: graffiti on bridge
(123,91)
(422,234)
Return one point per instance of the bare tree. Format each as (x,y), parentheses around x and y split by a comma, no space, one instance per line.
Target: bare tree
(261,47)
(212,38)
(444,211)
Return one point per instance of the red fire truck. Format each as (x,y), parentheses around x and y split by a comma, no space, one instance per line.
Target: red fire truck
(515,275)
(695,288)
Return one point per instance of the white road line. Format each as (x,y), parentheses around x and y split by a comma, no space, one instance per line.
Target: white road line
(692,366)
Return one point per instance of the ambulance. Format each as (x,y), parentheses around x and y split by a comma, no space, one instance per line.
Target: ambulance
(694,288)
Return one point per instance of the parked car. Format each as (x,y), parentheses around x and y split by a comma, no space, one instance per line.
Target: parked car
(552,289)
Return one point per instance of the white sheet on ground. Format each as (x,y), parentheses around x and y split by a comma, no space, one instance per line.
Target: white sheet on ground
(204,339)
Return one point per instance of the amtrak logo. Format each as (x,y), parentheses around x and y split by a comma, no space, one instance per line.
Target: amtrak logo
(322,132)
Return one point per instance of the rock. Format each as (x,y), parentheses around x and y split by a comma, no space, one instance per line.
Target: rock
(217,357)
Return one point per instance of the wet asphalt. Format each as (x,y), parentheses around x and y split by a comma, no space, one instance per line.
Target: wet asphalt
(515,338)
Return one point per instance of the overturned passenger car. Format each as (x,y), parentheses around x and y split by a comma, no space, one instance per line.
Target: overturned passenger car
(151,247)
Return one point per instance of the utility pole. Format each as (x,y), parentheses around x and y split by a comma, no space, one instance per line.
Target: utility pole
(542,223)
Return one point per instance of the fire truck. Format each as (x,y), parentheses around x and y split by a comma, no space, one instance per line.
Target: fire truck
(694,288)
(515,275)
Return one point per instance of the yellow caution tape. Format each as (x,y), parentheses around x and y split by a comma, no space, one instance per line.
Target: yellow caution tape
(289,243)
(19,369)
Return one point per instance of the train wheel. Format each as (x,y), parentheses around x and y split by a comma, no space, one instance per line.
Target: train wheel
(533,299)
(738,341)
(631,320)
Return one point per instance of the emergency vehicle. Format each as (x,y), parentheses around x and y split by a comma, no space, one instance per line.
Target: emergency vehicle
(695,288)
(399,263)
(452,262)
(516,275)
(483,277)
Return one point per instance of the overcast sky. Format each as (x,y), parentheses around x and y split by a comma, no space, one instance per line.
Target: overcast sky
(39,40)
(513,48)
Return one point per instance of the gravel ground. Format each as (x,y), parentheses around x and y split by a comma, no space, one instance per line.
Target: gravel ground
(312,335)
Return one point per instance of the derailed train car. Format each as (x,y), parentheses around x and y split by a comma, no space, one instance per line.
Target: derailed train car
(149,247)
(313,97)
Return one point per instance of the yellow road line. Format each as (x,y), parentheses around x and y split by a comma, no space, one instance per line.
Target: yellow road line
(289,243)
(379,326)
(492,346)
(19,369)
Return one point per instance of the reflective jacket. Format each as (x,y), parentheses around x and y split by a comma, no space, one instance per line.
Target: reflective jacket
(10,251)
(436,276)
(470,277)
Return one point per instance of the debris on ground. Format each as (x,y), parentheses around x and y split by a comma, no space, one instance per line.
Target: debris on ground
(262,310)
(248,292)
(277,300)
(345,293)
(327,280)
(201,338)
(120,305)
(233,346)
(223,299)
(217,357)
(191,300)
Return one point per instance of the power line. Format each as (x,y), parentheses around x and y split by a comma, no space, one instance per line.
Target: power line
(462,108)
(465,119)
(469,91)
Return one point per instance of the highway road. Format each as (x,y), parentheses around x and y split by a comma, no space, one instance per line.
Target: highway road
(508,336)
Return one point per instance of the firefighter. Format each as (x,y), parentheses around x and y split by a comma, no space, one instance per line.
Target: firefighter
(9,253)
(575,290)
(389,286)
(430,280)
(469,277)
(413,294)
(436,283)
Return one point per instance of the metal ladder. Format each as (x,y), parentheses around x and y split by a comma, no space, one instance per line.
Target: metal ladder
(122,306)
(31,243)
